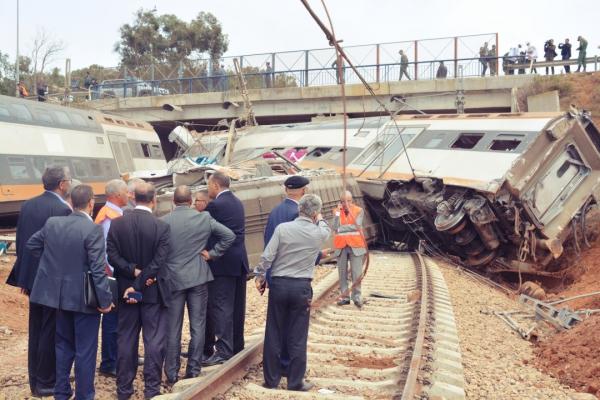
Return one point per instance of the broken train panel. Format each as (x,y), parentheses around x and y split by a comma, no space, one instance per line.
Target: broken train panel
(501,191)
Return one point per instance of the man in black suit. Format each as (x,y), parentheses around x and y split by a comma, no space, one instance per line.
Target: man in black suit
(42,320)
(227,292)
(137,248)
(70,247)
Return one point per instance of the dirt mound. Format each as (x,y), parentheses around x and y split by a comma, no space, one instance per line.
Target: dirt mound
(573,356)
(15,305)
(582,90)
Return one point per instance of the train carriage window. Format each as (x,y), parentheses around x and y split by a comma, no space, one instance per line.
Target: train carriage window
(4,112)
(43,116)
(79,169)
(467,140)
(39,166)
(95,168)
(156,151)
(435,141)
(146,149)
(506,142)
(21,112)
(62,118)
(18,168)
(319,151)
(78,120)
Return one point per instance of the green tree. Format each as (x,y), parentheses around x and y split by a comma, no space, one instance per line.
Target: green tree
(167,39)
(7,75)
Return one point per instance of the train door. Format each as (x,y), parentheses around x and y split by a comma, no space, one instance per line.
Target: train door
(120,149)
(560,180)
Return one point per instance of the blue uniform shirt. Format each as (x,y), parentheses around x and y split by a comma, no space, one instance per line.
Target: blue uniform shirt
(286,211)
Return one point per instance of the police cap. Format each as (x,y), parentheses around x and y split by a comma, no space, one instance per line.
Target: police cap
(296,182)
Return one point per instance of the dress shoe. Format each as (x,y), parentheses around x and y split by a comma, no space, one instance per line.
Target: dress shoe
(140,361)
(190,376)
(358,303)
(109,373)
(215,359)
(184,354)
(343,302)
(43,392)
(171,382)
(305,387)
(267,386)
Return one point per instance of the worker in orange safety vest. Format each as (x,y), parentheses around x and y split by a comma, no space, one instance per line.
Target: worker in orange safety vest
(350,245)
(116,199)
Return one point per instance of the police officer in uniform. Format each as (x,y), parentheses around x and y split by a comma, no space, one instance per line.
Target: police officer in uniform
(350,245)
(291,255)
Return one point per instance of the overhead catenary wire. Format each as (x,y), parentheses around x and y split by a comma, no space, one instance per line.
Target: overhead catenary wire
(341,54)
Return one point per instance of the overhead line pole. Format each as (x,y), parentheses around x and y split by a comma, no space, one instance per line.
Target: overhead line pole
(17,72)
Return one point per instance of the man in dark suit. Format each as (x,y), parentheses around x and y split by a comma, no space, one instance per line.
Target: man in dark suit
(190,274)
(42,320)
(227,292)
(70,247)
(137,248)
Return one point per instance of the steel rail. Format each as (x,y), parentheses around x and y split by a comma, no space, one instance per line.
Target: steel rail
(411,383)
(219,381)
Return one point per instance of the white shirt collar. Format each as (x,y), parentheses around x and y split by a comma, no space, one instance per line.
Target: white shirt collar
(143,208)
(220,193)
(292,200)
(114,207)
(60,198)
(84,213)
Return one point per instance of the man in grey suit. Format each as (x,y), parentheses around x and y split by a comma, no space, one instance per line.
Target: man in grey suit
(72,246)
(190,274)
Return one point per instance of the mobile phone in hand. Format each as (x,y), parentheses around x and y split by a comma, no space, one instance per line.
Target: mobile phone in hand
(137,296)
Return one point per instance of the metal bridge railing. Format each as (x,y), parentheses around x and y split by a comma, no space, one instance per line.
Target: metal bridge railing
(423,70)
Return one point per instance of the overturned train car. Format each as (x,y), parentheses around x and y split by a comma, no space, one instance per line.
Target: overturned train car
(499,191)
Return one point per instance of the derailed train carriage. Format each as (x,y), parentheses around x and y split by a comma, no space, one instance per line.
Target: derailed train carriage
(96,147)
(499,191)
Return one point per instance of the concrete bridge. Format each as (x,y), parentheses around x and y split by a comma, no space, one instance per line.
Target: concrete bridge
(294,104)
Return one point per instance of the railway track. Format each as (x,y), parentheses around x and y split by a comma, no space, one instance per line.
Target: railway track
(401,345)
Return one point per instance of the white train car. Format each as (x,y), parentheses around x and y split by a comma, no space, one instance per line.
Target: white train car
(96,147)
(504,191)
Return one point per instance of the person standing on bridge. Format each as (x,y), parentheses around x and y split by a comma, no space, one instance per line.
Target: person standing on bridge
(483,58)
(565,53)
(269,76)
(493,60)
(42,320)
(532,55)
(350,246)
(116,199)
(442,71)
(582,53)
(403,65)
(291,255)
(550,54)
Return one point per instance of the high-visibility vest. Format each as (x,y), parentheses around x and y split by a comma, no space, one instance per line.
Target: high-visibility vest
(352,239)
(106,212)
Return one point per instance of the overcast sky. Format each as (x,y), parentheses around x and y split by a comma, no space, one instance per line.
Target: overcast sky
(90,28)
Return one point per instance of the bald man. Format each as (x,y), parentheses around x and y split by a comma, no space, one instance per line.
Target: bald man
(350,246)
